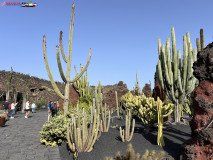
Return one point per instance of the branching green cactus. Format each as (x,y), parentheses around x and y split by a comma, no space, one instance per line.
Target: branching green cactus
(126,135)
(177,78)
(79,136)
(66,79)
(148,112)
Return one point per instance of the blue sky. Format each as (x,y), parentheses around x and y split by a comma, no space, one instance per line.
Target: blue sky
(123,35)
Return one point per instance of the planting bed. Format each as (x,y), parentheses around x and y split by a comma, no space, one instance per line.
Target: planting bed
(109,143)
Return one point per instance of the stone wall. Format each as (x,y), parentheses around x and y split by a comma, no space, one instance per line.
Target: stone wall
(200,146)
(36,90)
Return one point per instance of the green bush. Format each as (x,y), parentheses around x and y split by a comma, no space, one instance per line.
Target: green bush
(85,99)
(54,131)
(40,104)
(81,105)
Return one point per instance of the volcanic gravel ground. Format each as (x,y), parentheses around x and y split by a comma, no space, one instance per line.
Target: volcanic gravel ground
(109,143)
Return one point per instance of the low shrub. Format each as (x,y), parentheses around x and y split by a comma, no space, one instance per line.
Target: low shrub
(40,104)
(54,131)
(86,99)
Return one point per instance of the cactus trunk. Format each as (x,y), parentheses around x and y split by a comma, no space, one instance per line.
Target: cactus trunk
(67,60)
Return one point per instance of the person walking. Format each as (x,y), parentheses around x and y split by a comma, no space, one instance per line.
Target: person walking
(6,107)
(33,107)
(58,107)
(27,109)
(13,105)
(49,111)
(54,109)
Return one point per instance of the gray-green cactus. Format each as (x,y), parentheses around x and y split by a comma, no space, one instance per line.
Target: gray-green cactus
(104,111)
(176,77)
(81,137)
(126,135)
(66,79)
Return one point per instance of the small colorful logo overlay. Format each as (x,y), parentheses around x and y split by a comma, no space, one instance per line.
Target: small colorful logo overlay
(22,4)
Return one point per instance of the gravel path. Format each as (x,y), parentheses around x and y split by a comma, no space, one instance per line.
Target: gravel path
(20,139)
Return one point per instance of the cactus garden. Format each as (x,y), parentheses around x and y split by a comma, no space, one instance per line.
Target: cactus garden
(169,118)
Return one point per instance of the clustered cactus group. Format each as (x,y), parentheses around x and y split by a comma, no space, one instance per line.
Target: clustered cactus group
(174,75)
(130,155)
(79,136)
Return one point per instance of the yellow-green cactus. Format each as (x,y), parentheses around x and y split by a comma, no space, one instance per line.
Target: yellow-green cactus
(126,135)
(163,111)
(130,155)
(79,136)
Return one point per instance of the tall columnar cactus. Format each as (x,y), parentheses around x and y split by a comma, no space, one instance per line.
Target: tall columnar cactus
(81,137)
(103,110)
(126,135)
(81,84)
(200,42)
(175,76)
(8,83)
(66,79)
(150,88)
(116,98)
(163,111)
(25,92)
(104,114)
(137,87)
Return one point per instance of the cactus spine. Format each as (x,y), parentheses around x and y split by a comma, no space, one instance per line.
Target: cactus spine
(163,111)
(79,136)
(125,135)
(176,78)
(66,79)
